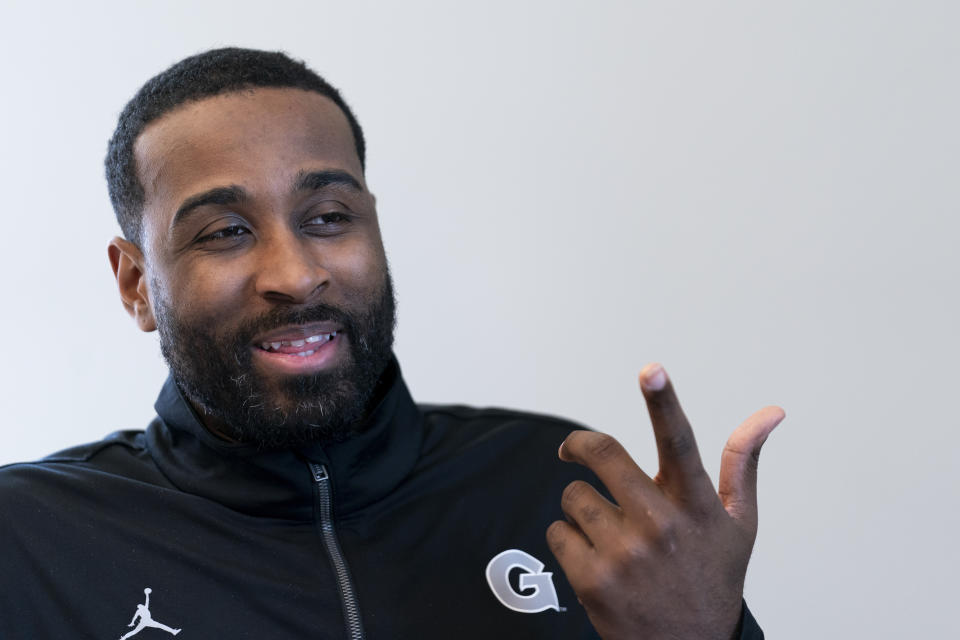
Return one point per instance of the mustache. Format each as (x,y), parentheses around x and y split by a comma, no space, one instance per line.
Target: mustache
(283,317)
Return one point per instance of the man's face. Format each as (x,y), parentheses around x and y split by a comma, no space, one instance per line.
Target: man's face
(265,267)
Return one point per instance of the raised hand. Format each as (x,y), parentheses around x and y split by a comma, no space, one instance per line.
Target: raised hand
(667,560)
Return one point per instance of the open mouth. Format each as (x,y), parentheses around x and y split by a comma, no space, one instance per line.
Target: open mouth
(299,350)
(302,347)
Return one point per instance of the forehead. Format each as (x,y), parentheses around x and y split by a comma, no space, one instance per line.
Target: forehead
(252,138)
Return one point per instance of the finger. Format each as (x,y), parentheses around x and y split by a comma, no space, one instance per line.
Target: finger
(680,463)
(570,548)
(627,483)
(738,466)
(596,516)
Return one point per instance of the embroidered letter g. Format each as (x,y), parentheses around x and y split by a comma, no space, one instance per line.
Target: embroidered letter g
(543,596)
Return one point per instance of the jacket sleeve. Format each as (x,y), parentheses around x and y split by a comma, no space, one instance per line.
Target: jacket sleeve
(749,629)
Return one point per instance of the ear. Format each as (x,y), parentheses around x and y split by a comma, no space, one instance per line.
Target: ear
(127,262)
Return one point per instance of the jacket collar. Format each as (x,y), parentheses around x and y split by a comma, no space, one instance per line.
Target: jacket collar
(362,469)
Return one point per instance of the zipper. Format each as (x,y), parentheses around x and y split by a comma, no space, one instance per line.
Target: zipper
(351,609)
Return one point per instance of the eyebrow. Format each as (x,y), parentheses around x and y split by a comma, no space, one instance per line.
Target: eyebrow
(316,180)
(218,195)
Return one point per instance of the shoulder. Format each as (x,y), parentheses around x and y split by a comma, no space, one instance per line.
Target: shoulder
(463,426)
(71,490)
(493,438)
(119,454)
(463,417)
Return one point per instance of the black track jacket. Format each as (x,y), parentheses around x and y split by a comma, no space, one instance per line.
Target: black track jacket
(430,524)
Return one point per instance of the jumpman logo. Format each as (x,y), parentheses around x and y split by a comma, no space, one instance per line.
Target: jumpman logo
(146,620)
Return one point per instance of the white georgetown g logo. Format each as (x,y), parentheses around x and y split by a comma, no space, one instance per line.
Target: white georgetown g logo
(544,594)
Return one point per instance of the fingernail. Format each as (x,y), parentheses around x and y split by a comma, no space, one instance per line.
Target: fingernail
(560,450)
(653,377)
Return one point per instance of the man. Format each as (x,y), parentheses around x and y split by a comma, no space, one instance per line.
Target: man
(289,486)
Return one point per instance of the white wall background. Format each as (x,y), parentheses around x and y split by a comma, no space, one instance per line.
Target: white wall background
(764,196)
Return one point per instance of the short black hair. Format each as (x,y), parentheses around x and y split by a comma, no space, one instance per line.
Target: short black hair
(204,75)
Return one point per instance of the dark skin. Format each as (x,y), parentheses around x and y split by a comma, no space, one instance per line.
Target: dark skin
(232,228)
(668,560)
(236,221)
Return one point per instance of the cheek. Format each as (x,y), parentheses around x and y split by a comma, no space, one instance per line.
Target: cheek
(209,292)
(359,267)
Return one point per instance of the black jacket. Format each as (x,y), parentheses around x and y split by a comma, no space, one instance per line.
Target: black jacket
(172,530)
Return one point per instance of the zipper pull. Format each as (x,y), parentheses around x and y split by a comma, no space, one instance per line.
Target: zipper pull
(319,472)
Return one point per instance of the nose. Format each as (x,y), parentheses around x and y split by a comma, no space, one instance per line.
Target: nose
(288,271)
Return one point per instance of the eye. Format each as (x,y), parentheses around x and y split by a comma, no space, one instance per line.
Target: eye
(232,231)
(327,223)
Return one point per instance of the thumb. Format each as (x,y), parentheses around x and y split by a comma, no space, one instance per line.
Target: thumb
(738,466)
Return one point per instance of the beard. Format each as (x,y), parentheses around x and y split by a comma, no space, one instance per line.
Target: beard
(217,375)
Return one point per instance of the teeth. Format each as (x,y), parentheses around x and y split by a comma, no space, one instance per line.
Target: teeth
(304,354)
(320,337)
